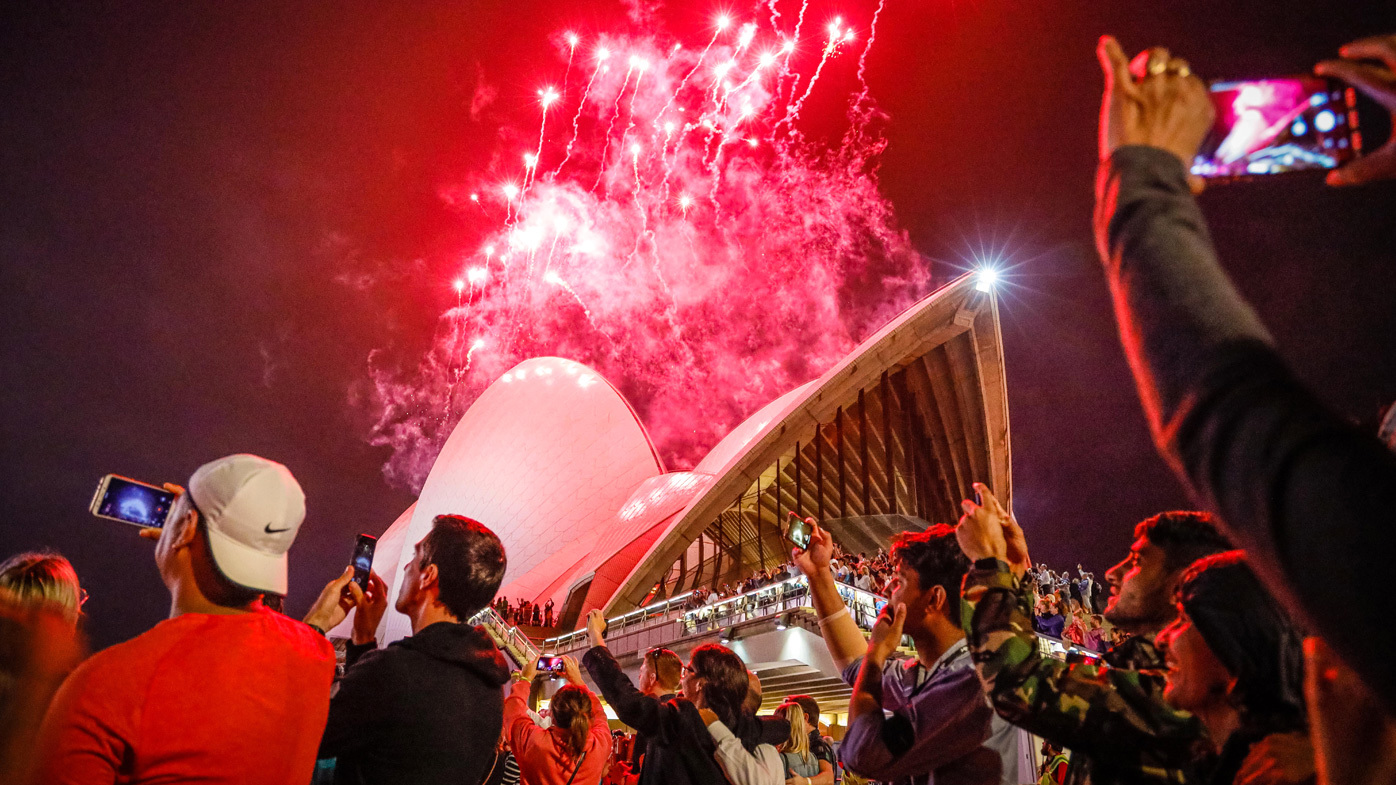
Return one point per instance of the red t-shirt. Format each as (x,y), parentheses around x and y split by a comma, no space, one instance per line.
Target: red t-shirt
(238,698)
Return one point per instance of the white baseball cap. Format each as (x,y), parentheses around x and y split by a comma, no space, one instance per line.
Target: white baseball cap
(252,508)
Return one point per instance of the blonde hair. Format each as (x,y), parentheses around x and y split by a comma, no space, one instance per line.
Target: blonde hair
(35,579)
(798,742)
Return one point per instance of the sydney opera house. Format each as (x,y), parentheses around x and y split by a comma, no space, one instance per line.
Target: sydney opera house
(554,459)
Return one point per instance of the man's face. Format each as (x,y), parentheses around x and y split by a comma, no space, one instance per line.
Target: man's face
(647,678)
(409,596)
(1141,588)
(1195,677)
(906,588)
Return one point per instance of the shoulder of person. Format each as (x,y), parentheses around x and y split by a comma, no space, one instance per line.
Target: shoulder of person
(300,634)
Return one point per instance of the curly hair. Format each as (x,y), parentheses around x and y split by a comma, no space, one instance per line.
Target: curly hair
(937,560)
(1184,536)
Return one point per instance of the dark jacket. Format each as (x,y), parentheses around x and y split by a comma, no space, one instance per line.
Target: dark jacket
(1311,497)
(641,743)
(680,748)
(427,709)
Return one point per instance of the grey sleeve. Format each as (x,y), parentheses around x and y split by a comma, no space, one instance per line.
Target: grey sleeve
(1172,299)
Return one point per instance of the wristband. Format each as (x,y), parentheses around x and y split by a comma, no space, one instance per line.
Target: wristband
(318,629)
(840,612)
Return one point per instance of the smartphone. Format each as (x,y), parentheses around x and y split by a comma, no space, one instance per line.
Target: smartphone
(130,501)
(363,558)
(798,532)
(1278,126)
(552,665)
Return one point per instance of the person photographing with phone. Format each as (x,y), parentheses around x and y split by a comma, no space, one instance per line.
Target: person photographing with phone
(682,750)
(1307,494)
(941,727)
(576,749)
(428,708)
(225,690)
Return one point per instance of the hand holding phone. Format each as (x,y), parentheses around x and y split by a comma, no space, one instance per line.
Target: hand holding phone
(363,558)
(550,665)
(1377,83)
(798,531)
(1278,126)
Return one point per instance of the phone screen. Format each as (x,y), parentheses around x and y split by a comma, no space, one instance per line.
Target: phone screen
(1274,126)
(133,502)
(798,532)
(549,664)
(363,558)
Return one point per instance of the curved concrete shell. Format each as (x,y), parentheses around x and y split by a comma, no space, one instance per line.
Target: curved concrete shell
(937,374)
(554,460)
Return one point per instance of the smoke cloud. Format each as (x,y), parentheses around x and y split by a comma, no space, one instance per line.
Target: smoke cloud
(669,225)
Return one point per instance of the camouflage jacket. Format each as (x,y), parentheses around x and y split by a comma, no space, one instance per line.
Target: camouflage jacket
(1112,716)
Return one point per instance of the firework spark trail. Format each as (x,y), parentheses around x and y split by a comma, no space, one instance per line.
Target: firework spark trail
(581,105)
(572,41)
(475,345)
(795,34)
(765,257)
(836,36)
(860,108)
(639,64)
(611,127)
(556,280)
(547,97)
(863,58)
(717,30)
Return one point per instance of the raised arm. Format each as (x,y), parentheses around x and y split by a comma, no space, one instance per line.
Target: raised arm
(841,634)
(519,727)
(1311,498)
(632,707)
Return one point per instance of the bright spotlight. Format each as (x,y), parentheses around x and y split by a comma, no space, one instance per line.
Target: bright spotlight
(986,278)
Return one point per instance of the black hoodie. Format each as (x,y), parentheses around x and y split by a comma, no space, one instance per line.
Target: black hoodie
(428,709)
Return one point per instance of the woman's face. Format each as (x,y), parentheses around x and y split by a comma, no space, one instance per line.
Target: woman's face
(1195,677)
(691,684)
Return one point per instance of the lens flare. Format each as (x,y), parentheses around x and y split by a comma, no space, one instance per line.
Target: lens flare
(985,278)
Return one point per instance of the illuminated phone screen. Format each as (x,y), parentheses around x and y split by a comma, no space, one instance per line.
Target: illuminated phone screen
(1275,126)
(363,559)
(135,503)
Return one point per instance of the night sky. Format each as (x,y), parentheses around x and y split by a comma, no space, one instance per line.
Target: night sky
(193,192)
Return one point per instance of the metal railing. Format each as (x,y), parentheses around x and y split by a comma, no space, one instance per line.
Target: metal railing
(519,645)
(679,617)
(676,618)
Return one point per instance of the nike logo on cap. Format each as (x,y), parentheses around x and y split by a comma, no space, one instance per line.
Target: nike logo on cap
(270,530)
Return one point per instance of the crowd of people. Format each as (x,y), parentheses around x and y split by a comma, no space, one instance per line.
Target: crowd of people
(1249,642)
(524,613)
